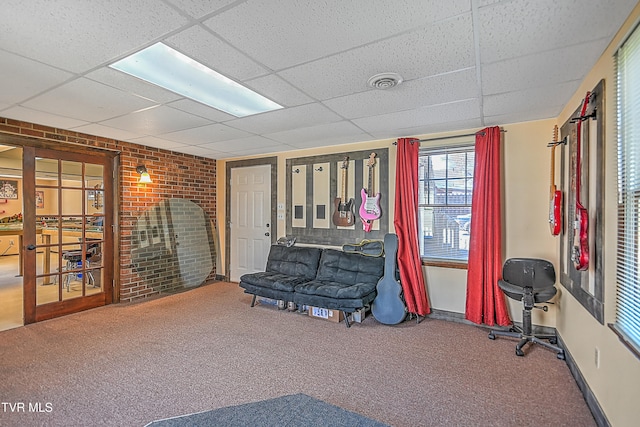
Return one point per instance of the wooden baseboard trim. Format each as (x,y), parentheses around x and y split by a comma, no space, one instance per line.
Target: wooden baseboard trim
(589,397)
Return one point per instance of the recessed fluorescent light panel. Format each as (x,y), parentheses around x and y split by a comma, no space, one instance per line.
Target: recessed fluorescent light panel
(166,67)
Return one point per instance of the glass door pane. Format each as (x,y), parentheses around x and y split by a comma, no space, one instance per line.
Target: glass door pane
(68,272)
(11,226)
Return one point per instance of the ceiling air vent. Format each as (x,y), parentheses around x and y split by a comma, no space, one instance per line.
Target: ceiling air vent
(384,80)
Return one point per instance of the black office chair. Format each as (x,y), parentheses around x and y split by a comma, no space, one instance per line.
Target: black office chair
(531,281)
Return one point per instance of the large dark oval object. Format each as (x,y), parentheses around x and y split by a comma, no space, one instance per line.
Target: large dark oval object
(388,307)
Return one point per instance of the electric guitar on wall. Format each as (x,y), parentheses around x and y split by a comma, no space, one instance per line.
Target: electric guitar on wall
(344,213)
(555,204)
(580,253)
(370,207)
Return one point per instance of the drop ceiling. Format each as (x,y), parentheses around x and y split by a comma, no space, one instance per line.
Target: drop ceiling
(466,64)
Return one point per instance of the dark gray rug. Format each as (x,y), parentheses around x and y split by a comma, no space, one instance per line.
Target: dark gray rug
(293,410)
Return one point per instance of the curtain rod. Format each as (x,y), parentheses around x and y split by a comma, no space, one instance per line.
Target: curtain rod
(453,136)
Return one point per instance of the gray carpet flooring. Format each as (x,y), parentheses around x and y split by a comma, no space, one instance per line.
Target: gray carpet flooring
(295,410)
(206,348)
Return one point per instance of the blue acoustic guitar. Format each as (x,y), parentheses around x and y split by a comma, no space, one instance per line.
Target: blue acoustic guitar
(389,307)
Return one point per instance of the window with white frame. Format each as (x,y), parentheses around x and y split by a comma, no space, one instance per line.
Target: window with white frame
(445,189)
(627,324)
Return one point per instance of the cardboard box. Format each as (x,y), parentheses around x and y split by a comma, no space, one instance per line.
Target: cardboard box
(334,316)
(272,302)
(358,315)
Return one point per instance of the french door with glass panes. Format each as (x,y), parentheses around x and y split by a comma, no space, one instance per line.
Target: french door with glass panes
(67,238)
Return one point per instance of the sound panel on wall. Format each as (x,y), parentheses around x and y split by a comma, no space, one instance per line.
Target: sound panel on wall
(298,195)
(315,185)
(320,192)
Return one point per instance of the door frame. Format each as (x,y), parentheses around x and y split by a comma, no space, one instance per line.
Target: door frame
(273,162)
(113,159)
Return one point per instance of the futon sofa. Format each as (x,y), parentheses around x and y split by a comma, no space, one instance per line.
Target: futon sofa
(317,277)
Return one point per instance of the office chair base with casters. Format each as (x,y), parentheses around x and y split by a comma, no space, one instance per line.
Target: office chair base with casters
(531,281)
(548,341)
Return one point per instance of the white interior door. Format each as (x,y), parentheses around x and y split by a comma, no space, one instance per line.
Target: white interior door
(250,220)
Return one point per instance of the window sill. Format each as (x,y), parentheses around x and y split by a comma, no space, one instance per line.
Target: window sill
(624,340)
(444,264)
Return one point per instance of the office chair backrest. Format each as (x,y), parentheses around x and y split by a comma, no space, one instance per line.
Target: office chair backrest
(529,272)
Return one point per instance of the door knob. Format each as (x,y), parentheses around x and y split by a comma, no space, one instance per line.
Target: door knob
(31,247)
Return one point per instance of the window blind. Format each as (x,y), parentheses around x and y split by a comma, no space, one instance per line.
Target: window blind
(628,235)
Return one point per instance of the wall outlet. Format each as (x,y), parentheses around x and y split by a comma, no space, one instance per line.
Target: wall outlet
(280,216)
(280,206)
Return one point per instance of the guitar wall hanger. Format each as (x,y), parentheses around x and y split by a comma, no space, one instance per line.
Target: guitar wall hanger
(593,115)
(591,111)
(556,143)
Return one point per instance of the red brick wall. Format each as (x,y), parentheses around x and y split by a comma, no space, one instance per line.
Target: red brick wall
(173,175)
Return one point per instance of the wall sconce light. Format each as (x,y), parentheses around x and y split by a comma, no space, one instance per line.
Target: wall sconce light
(144,175)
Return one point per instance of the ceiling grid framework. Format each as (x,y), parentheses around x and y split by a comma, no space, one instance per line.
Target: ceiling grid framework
(466,64)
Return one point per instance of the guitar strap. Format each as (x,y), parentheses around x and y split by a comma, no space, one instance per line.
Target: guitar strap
(374,248)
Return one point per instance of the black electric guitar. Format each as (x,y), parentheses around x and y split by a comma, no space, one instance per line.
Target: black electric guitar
(388,307)
(344,213)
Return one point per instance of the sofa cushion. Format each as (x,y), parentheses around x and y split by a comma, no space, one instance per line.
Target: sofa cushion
(336,290)
(349,269)
(347,305)
(297,261)
(275,281)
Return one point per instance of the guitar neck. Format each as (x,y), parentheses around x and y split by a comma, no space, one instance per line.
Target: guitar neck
(370,185)
(344,185)
(579,148)
(552,185)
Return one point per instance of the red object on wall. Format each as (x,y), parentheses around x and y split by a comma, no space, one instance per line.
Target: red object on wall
(406,226)
(485,301)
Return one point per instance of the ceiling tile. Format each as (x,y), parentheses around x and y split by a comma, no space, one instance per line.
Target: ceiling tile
(525,102)
(278,90)
(249,143)
(413,94)
(39,117)
(202,152)
(425,116)
(312,134)
(105,131)
(291,118)
(540,69)
(258,150)
(22,78)
(522,27)
(58,33)
(156,120)
(87,100)
(440,48)
(201,110)
(311,30)
(152,141)
(414,131)
(132,85)
(205,134)
(199,44)
(199,8)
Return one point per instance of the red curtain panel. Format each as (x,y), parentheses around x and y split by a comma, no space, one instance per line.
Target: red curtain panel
(406,225)
(485,301)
